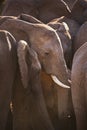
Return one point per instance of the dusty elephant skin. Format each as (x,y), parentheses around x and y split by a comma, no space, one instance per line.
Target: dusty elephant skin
(44,40)
(27,93)
(8,63)
(79,86)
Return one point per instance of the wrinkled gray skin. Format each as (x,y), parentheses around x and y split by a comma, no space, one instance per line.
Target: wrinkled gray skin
(44,10)
(27,93)
(79,86)
(8,64)
(44,40)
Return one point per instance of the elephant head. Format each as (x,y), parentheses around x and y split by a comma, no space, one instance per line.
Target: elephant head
(46,42)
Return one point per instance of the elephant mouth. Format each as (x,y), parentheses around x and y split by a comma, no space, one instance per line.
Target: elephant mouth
(58,82)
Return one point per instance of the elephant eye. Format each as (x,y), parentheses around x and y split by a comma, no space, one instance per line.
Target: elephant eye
(47,53)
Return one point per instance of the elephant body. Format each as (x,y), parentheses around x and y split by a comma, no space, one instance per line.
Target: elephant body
(72,25)
(80,37)
(16,7)
(79,11)
(8,64)
(44,10)
(79,87)
(52,9)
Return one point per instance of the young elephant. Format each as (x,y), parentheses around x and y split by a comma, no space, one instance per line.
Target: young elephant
(33,113)
(79,86)
(46,42)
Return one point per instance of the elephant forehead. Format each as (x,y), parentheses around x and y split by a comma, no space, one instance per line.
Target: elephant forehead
(45,44)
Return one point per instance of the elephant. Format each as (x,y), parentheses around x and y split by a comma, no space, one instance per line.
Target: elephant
(53,9)
(80,37)
(8,65)
(44,40)
(44,10)
(79,11)
(67,30)
(63,31)
(41,28)
(72,25)
(79,86)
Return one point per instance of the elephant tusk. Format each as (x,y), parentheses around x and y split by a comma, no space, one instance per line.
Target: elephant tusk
(55,79)
(69,81)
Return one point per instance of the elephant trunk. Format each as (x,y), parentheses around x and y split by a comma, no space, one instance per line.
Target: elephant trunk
(64,98)
(62,78)
(64,75)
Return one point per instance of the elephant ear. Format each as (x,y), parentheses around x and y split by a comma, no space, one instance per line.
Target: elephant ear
(61,27)
(21,52)
(28,62)
(28,18)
